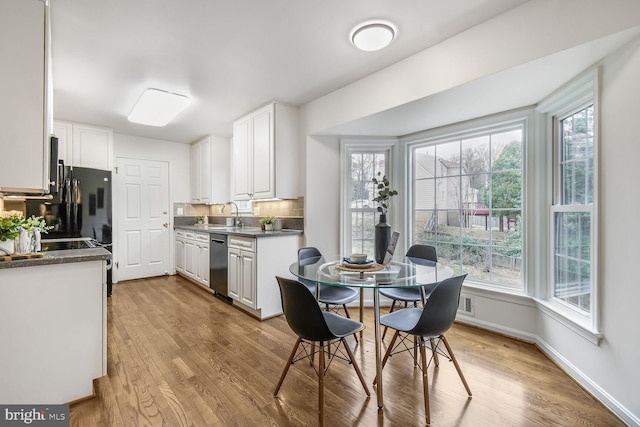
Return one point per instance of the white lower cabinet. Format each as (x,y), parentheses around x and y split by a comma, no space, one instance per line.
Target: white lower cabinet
(254,264)
(202,258)
(242,270)
(192,255)
(180,251)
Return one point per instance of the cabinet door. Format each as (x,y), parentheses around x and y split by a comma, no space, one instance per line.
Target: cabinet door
(22,87)
(180,255)
(92,147)
(263,173)
(194,178)
(205,170)
(241,160)
(190,258)
(248,280)
(202,271)
(234,274)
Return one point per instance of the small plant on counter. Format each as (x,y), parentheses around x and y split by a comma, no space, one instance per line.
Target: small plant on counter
(10,227)
(267,222)
(200,219)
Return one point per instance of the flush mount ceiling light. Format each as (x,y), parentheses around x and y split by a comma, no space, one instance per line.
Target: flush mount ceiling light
(373,35)
(157,107)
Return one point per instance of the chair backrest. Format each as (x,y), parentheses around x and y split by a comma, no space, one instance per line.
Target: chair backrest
(309,253)
(306,256)
(302,311)
(423,251)
(441,308)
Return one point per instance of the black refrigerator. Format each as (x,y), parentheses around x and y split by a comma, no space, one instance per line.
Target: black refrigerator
(81,208)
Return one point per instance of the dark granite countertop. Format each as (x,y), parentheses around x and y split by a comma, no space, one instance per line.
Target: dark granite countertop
(237,231)
(60,257)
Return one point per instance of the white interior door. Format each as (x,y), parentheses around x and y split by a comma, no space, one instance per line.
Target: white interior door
(142,192)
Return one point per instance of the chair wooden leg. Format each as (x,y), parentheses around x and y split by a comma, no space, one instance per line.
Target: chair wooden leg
(384,332)
(321,385)
(387,354)
(346,312)
(286,367)
(425,381)
(415,351)
(436,361)
(355,365)
(455,362)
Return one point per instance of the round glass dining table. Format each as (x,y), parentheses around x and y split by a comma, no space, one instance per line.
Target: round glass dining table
(402,273)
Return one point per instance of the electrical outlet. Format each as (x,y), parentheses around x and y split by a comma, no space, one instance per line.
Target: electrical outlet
(179,211)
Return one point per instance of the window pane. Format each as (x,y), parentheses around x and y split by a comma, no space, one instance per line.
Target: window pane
(448,193)
(476,155)
(448,159)
(576,162)
(572,267)
(425,194)
(424,162)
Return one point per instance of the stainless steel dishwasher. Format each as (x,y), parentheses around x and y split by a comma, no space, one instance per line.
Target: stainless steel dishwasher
(218,265)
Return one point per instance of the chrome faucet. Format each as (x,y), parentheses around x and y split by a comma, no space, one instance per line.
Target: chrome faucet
(238,222)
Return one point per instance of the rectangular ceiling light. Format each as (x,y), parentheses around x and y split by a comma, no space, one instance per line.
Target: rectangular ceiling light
(157,107)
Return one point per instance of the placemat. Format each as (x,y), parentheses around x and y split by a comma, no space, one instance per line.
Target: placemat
(364,268)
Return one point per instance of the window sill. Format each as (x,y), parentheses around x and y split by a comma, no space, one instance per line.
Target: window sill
(585,331)
(545,307)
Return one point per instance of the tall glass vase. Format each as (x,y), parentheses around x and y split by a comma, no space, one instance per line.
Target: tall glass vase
(382,237)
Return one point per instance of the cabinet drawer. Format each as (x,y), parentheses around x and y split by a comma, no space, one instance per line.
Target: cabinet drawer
(202,237)
(180,233)
(189,235)
(243,243)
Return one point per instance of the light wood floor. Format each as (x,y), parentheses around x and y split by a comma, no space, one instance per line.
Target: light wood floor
(178,356)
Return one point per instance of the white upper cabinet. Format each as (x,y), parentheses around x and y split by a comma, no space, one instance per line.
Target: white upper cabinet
(84,145)
(24,88)
(265,154)
(92,147)
(210,170)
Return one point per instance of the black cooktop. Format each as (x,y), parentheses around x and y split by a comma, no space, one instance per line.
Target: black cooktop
(62,245)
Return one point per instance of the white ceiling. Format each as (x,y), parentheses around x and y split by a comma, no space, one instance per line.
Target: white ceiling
(229,57)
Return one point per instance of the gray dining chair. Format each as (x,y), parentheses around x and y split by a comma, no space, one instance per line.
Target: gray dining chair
(411,295)
(316,329)
(330,296)
(428,324)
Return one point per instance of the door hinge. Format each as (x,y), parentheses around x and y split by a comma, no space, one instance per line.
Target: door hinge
(117,264)
(116,168)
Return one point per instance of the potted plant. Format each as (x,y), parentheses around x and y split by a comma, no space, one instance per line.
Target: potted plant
(9,231)
(382,233)
(268,222)
(34,226)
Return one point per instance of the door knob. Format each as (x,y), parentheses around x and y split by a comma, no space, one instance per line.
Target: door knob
(164,212)
(165,224)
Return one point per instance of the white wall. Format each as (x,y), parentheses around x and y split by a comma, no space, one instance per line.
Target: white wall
(609,370)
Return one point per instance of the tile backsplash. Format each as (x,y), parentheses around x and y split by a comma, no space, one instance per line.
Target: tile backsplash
(291,212)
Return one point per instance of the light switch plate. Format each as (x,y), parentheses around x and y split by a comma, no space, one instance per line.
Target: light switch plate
(179,211)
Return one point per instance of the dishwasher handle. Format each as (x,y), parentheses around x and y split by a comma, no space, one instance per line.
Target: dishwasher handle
(218,241)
